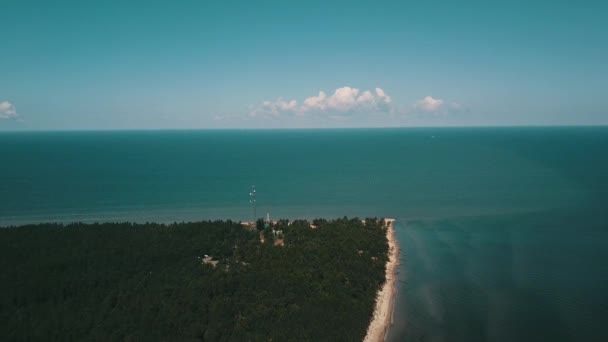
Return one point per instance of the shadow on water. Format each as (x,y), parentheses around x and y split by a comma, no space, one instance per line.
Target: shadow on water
(503,278)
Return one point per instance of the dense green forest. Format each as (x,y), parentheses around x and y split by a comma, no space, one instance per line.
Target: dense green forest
(148,282)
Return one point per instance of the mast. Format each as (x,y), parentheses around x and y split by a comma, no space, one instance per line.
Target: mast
(252,201)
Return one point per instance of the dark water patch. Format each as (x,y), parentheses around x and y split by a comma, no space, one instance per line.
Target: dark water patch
(528,277)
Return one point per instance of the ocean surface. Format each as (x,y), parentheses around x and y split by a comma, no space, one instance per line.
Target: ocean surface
(503,231)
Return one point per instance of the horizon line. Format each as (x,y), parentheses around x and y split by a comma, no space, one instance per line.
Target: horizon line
(299,128)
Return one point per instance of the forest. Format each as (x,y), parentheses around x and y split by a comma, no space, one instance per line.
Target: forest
(152,282)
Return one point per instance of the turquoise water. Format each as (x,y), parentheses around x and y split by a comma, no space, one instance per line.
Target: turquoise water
(504,231)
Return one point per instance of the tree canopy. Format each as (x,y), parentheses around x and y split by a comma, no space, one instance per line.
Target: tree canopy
(148,282)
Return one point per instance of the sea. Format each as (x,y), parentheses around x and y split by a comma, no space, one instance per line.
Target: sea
(503,231)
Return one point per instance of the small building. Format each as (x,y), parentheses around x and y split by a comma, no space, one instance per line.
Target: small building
(209,260)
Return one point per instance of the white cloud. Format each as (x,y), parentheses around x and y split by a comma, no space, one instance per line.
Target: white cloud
(315,102)
(275,108)
(383,96)
(344,100)
(429,104)
(456,106)
(7,110)
(366,97)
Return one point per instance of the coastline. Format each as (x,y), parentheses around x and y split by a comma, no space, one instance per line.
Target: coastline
(383,311)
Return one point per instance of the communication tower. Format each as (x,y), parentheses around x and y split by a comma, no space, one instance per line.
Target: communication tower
(252,202)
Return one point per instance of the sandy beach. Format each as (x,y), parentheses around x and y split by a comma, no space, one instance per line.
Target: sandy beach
(383,312)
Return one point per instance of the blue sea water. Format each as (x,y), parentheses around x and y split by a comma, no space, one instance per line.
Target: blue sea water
(504,231)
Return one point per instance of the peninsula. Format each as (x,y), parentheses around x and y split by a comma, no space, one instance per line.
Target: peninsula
(209,281)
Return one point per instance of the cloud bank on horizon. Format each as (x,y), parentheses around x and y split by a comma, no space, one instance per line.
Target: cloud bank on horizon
(347,101)
(344,100)
(345,106)
(7,110)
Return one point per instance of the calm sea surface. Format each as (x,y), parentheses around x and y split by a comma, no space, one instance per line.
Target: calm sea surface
(504,231)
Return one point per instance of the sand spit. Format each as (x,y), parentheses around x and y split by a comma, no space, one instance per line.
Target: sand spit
(383,312)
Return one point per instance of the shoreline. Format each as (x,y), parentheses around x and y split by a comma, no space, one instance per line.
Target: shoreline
(385,299)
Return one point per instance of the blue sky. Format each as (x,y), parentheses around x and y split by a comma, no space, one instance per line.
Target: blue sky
(245,64)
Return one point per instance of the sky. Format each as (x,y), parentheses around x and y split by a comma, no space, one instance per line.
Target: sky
(97,65)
